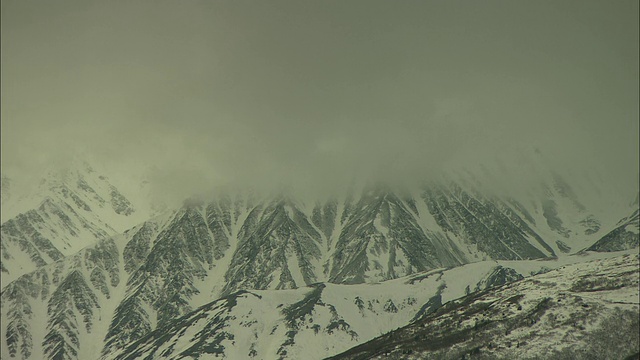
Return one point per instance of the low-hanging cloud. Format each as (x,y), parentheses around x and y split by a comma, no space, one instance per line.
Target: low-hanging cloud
(315,94)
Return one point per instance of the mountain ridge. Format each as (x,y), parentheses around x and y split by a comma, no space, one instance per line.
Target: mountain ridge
(143,279)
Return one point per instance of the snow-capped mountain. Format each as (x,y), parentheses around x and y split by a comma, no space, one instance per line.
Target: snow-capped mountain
(86,298)
(127,286)
(583,311)
(92,280)
(210,250)
(68,211)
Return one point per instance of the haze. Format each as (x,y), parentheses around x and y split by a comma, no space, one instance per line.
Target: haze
(316,93)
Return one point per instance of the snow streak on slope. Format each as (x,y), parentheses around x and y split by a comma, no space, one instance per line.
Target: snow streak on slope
(583,311)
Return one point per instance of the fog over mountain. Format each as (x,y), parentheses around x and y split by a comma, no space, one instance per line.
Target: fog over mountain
(309,179)
(311,95)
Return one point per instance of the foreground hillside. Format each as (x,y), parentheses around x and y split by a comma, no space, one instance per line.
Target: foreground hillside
(582,311)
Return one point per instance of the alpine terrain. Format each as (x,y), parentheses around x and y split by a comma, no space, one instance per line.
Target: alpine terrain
(66,211)
(89,273)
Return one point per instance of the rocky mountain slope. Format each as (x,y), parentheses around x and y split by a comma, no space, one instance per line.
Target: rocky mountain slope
(62,310)
(625,236)
(583,311)
(68,211)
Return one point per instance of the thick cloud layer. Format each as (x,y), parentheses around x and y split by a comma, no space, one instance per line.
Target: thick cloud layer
(314,93)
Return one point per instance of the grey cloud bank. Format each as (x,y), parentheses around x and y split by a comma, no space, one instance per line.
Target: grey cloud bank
(315,93)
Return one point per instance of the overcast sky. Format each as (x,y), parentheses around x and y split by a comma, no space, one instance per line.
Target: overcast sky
(311,92)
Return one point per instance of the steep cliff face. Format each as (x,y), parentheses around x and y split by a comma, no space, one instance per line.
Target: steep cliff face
(491,226)
(381,238)
(176,266)
(278,247)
